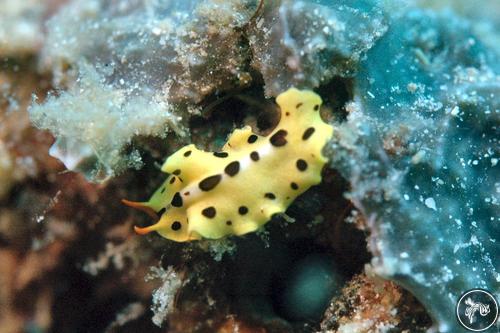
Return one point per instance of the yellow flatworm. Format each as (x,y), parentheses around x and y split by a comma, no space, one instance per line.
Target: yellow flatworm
(237,190)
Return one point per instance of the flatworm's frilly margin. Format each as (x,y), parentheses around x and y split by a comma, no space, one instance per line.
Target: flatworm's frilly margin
(237,190)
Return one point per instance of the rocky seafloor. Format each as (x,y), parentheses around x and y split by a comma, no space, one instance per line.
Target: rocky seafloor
(94,95)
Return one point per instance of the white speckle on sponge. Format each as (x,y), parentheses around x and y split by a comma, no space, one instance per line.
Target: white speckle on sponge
(430,203)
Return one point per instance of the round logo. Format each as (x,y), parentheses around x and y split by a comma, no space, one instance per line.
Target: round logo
(477,310)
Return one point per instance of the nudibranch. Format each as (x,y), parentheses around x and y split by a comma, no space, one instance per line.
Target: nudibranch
(238,189)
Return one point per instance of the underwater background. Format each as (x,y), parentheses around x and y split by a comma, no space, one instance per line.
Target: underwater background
(96,94)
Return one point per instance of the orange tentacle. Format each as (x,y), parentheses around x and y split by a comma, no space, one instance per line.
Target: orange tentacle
(142,207)
(143,231)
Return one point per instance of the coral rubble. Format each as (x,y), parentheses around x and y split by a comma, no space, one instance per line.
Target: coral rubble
(119,81)
(370,304)
(21,25)
(307,43)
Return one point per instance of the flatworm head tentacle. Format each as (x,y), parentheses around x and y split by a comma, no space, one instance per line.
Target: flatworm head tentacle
(142,206)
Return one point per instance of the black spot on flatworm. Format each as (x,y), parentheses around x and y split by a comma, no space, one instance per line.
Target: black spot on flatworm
(254,156)
(209,212)
(270,195)
(171,181)
(307,133)
(229,223)
(301,165)
(294,186)
(209,183)
(177,172)
(316,107)
(278,139)
(221,154)
(232,168)
(176,226)
(177,200)
(164,188)
(298,105)
(252,138)
(186,154)
(243,210)
(161,211)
